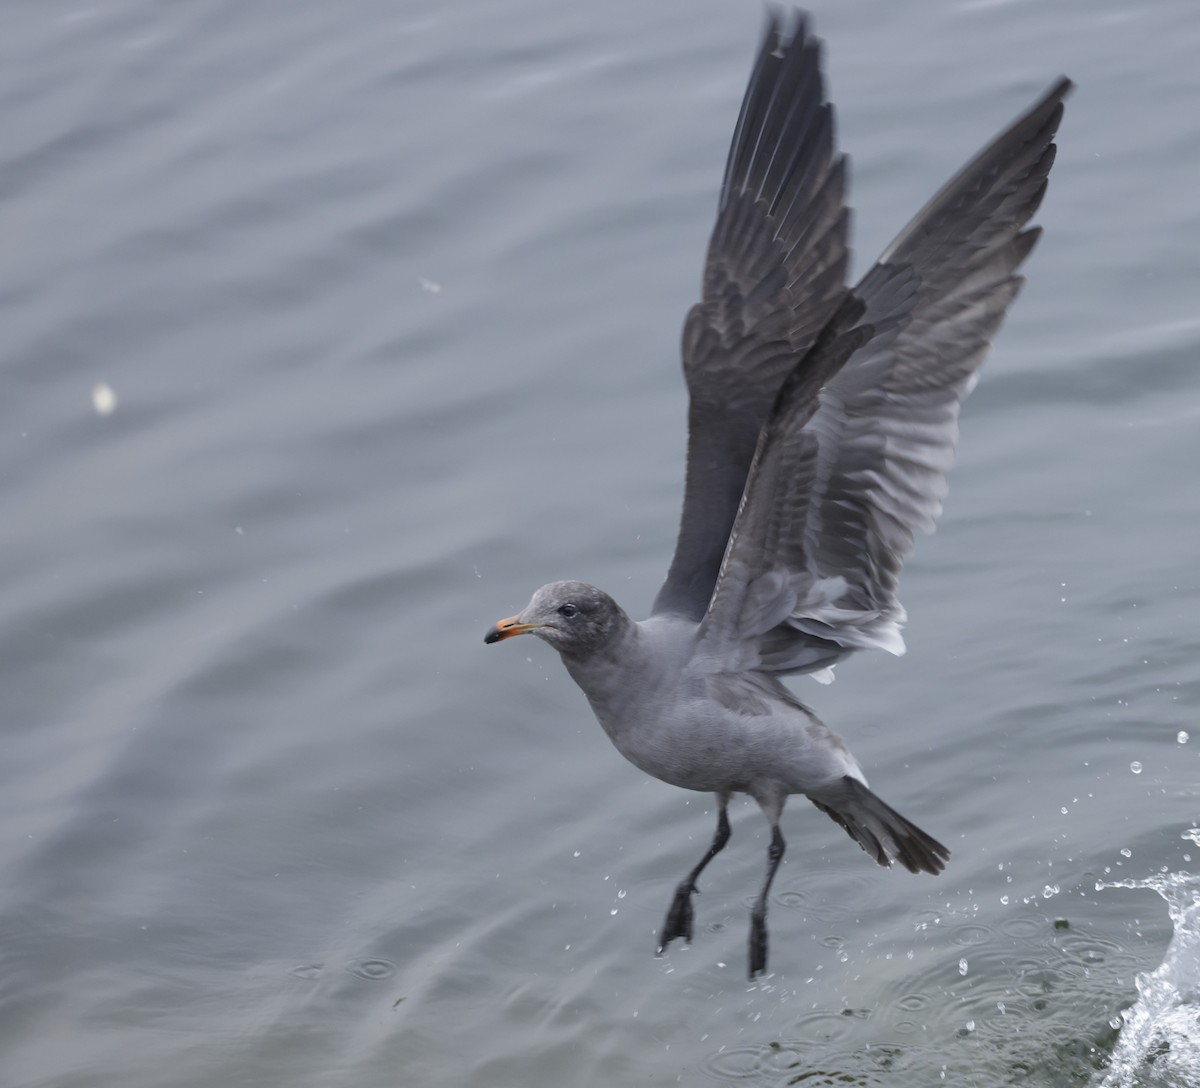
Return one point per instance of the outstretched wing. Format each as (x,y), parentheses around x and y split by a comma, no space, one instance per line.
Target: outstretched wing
(774,275)
(844,478)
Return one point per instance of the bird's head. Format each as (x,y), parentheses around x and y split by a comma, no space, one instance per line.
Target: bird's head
(573,617)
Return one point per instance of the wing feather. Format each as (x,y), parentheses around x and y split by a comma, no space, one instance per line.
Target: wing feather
(774,274)
(842,482)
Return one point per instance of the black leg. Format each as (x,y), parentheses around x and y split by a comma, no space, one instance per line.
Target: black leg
(679,918)
(758,915)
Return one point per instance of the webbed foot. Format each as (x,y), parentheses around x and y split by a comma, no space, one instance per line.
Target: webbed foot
(679,918)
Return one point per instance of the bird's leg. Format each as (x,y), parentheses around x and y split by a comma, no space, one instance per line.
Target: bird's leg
(758,914)
(679,918)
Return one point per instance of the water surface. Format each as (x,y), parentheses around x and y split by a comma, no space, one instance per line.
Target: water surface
(389,295)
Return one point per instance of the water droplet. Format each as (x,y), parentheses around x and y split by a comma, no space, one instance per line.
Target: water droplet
(1050,891)
(1181,737)
(962,967)
(1000,1006)
(621,893)
(970,1025)
(1064,810)
(104,400)
(1126,852)
(1136,767)
(613,911)
(1004,900)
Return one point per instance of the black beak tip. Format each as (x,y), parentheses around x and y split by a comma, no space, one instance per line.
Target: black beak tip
(494,635)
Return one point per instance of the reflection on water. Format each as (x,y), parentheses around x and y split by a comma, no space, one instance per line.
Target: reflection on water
(1159,1042)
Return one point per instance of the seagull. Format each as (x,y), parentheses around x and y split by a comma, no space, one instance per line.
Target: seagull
(821,425)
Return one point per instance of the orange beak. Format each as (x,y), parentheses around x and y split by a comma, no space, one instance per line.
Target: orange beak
(508,628)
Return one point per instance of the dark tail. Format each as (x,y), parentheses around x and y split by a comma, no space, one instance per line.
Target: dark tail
(879,829)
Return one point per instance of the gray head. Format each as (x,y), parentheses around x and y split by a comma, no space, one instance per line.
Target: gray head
(575,618)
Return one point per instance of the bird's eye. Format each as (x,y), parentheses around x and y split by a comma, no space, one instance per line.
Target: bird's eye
(567,610)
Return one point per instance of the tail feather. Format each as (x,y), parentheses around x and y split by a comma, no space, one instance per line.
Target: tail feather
(880,830)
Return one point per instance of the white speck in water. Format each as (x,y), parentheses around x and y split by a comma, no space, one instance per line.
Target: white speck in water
(970,1025)
(1126,852)
(962,967)
(104,400)
(239,530)
(621,893)
(1136,767)
(578,852)
(431,286)
(1181,737)
(1050,891)
(613,911)
(1064,810)
(1004,900)
(1000,1006)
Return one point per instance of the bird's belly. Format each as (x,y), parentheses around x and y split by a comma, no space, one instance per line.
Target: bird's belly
(696,746)
(691,749)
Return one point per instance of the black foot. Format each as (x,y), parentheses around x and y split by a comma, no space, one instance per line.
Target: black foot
(679,918)
(758,945)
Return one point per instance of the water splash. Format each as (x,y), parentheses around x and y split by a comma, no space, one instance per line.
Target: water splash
(1159,1044)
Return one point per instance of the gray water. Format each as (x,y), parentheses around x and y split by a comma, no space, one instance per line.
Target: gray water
(389,296)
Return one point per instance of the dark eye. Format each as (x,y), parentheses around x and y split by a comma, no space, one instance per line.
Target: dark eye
(567,610)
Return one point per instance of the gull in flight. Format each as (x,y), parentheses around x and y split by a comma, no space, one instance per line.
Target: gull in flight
(821,425)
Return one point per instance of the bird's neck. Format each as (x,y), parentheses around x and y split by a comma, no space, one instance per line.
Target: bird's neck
(606,673)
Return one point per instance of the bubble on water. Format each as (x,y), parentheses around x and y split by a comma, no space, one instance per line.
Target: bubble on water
(970,1025)
(962,967)
(1064,810)
(1181,737)
(1050,891)
(371,970)
(1004,900)
(1126,852)
(1136,767)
